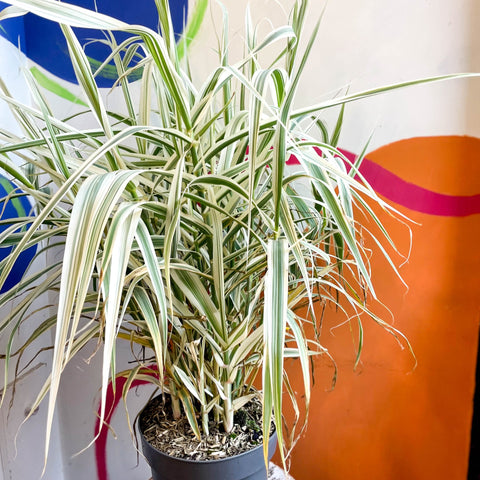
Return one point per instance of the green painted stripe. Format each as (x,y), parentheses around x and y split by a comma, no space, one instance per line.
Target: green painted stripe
(193,26)
(17,204)
(54,87)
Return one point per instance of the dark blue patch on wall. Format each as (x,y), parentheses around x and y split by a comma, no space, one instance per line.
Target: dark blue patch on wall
(43,42)
(14,204)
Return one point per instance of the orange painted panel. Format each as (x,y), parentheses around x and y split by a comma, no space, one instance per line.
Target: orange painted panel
(455,175)
(387,420)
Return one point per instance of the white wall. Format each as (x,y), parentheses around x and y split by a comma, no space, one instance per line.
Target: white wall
(21,450)
(366,44)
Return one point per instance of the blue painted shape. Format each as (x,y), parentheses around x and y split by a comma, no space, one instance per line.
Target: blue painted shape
(14,206)
(13,30)
(43,42)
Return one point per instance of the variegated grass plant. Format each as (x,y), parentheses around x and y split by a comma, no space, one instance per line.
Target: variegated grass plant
(183,232)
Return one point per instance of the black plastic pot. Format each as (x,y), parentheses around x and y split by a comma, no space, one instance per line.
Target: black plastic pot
(246,466)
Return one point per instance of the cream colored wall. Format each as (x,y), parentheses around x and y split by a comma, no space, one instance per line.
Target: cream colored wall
(21,448)
(366,44)
(360,45)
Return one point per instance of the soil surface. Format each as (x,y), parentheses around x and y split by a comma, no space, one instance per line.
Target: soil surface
(176,438)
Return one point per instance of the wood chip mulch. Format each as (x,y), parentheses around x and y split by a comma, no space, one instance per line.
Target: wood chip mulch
(176,438)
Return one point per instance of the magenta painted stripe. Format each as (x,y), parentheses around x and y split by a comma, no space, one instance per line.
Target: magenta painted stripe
(114,395)
(410,195)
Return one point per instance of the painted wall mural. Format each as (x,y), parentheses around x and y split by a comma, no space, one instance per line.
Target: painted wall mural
(385,420)
(412,195)
(42,40)
(14,204)
(113,399)
(388,419)
(408,416)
